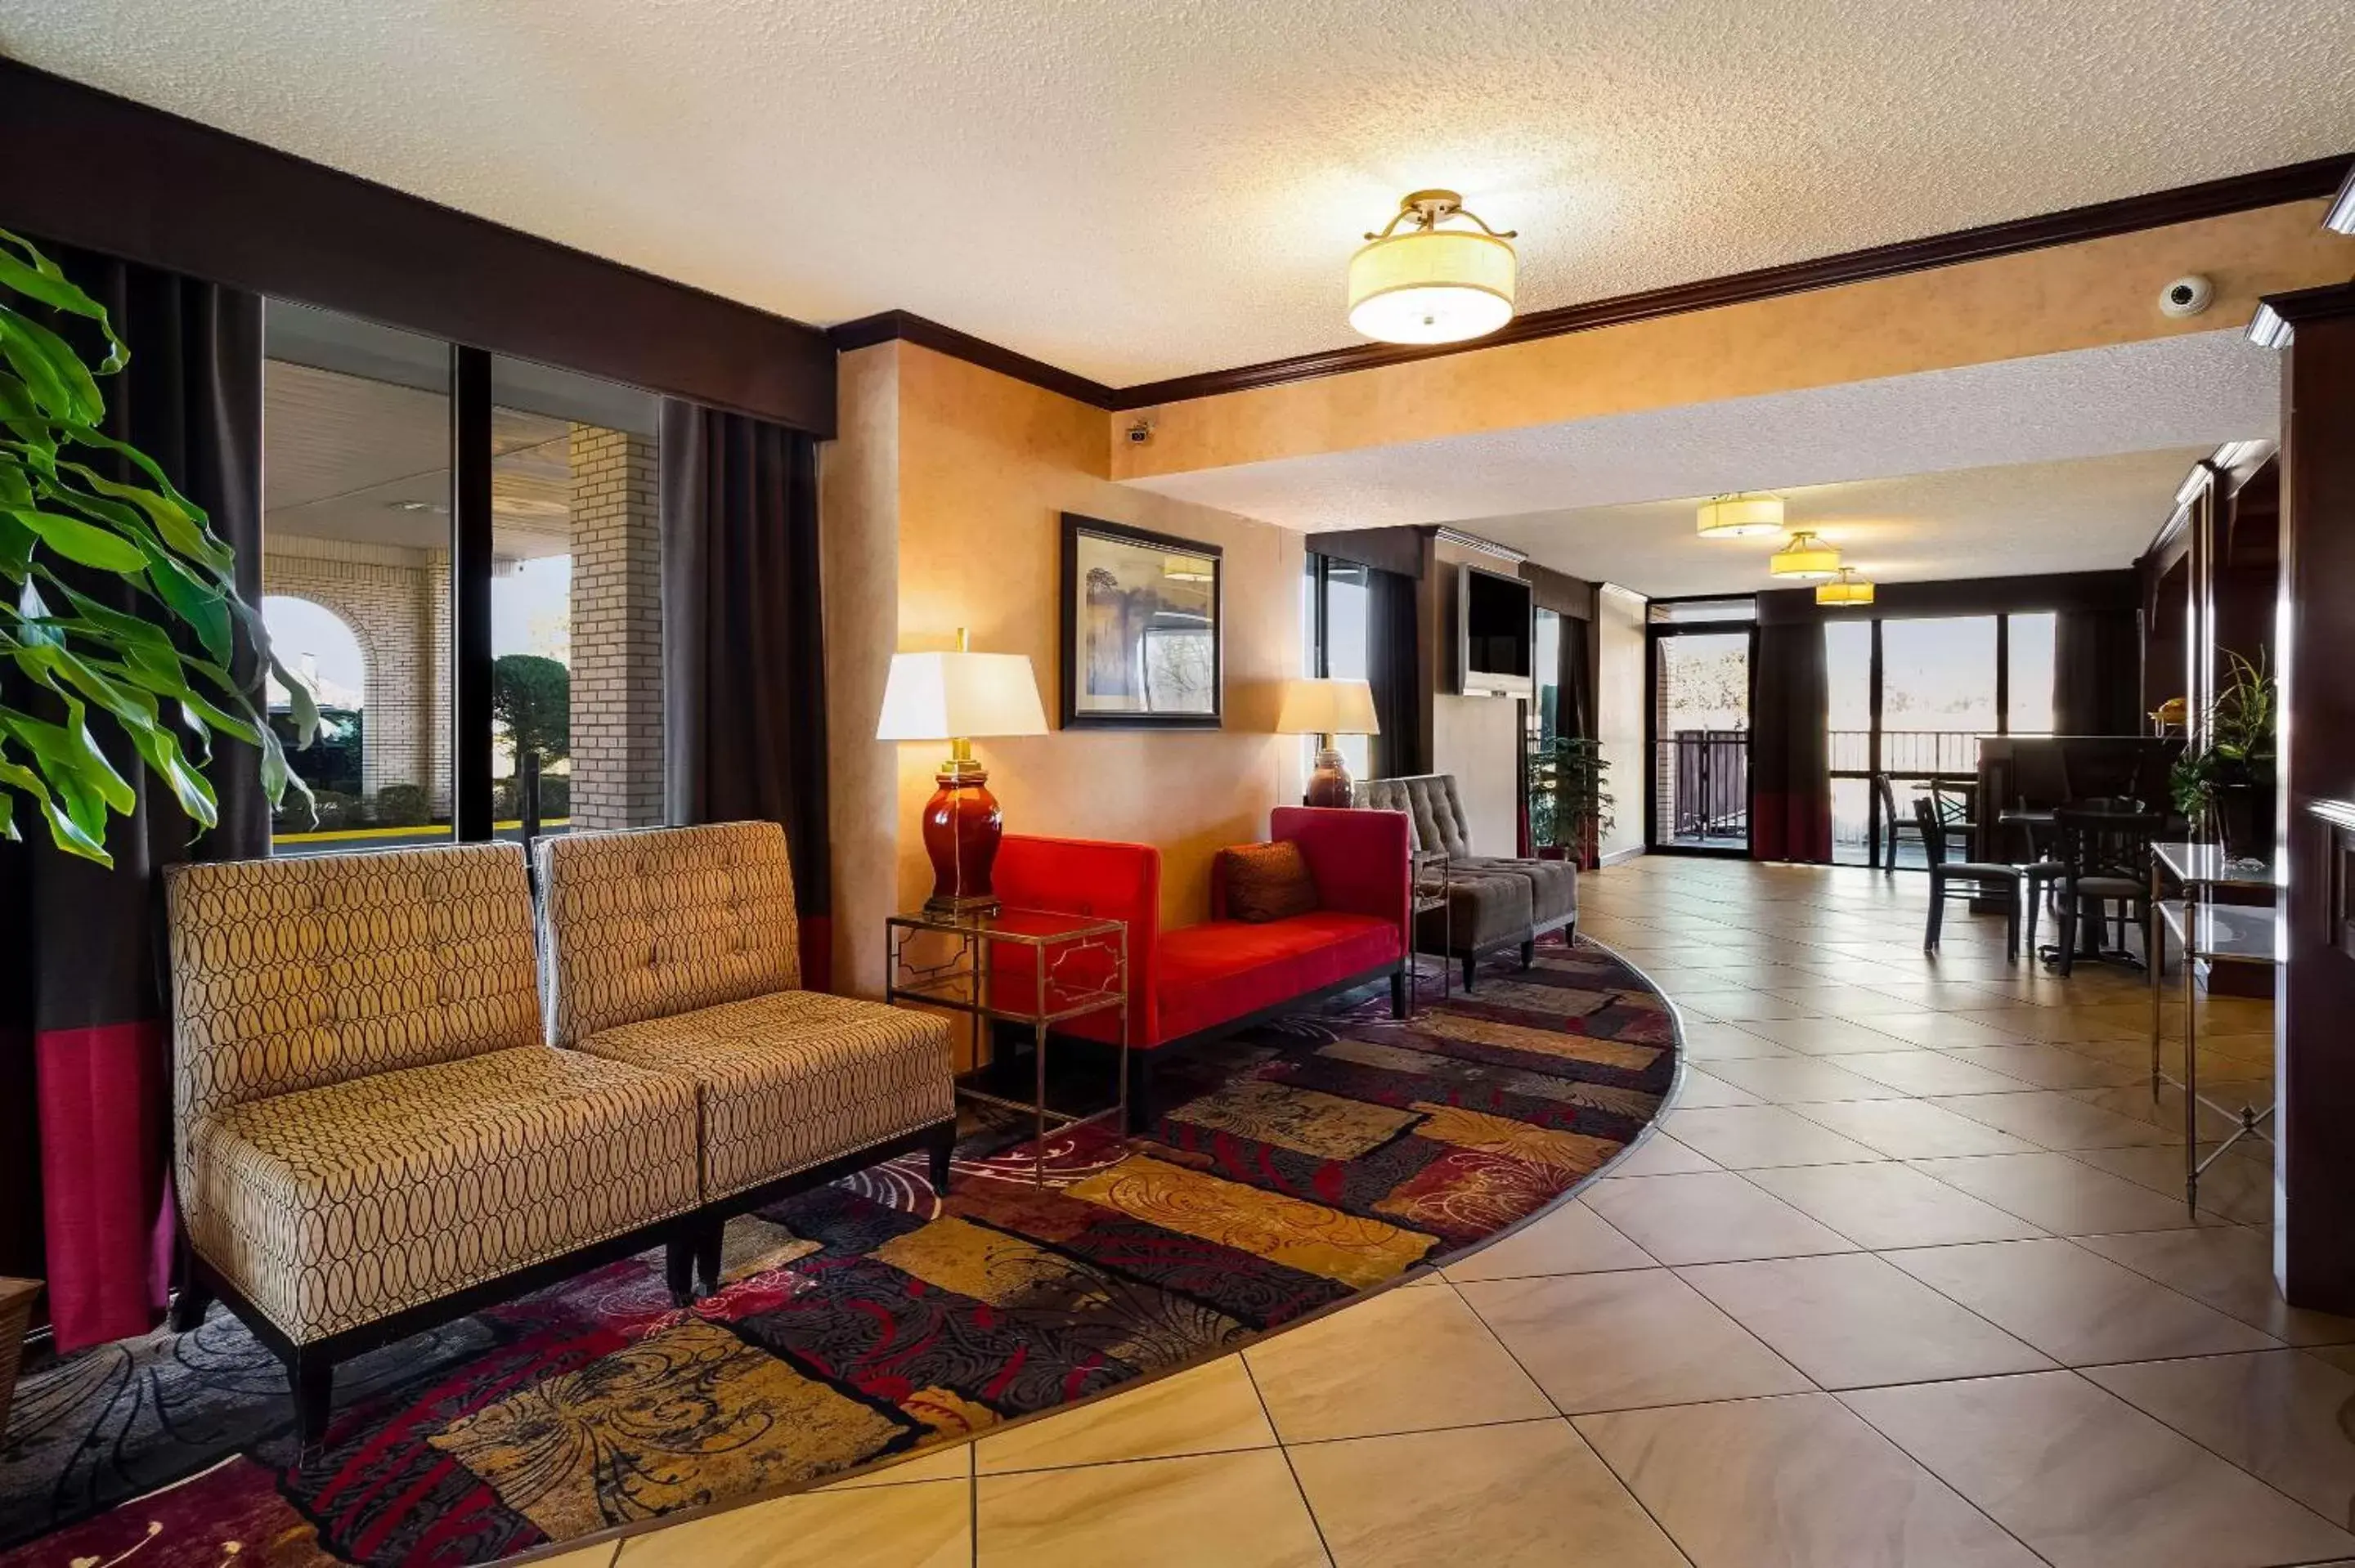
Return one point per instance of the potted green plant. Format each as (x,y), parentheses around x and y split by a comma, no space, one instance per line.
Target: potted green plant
(1570,802)
(80,511)
(2225,788)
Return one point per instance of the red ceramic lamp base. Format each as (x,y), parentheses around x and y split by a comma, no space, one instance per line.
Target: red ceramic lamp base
(1329,785)
(961,826)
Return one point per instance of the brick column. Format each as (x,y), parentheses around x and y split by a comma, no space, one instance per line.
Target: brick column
(617,734)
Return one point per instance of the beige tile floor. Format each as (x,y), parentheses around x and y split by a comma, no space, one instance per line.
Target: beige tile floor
(1906,1278)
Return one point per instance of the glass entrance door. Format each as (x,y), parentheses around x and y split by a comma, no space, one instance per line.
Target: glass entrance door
(1700,730)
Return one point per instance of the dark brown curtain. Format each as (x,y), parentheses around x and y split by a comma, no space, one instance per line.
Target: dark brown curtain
(743,644)
(85,1093)
(1790,760)
(2097,672)
(1394,671)
(1574,719)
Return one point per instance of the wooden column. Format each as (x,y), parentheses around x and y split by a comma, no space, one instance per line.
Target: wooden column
(2315,1022)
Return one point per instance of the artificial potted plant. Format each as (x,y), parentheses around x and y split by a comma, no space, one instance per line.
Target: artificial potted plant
(83,516)
(1570,804)
(2226,787)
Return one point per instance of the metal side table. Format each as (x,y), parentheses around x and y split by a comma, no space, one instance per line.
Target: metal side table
(1078,964)
(2213,933)
(1428,893)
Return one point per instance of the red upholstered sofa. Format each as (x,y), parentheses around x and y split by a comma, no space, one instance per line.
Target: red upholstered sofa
(1199,982)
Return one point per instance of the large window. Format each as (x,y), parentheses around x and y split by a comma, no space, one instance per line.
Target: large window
(1910,698)
(365,586)
(355,574)
(1338,606)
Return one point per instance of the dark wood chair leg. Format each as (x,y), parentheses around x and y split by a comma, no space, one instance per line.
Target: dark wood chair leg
(1140,1092)
(189,1303)
(2035,896)
(2068,933)
(314,1380)
(1937,913)
(1398,994)
(679,1269)
(2011,927)
(706,1256)
(940,1146)
(1529,952)
(1471,968)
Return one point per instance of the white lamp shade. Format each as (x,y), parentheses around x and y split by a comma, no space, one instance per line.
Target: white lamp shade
(1432,285)
(1327,707)
(1739,516)
(954,696)
(1805,558)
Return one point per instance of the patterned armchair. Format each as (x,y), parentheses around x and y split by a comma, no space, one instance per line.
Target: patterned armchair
(677,949)
(370,1134)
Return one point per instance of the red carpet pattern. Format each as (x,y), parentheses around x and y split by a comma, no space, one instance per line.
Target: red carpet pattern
(1293,1167)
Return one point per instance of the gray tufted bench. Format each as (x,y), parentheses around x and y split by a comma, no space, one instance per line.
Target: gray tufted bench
(1493,901)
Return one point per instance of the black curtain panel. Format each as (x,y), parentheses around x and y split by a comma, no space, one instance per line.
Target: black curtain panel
(1394,671)
(743,644)
(2097,672)
(85,1093)
(1573,719)
(1790,760)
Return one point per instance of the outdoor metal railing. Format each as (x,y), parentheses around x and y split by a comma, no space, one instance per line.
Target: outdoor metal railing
(1705,778)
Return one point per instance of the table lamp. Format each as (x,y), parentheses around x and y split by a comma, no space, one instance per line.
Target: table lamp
(1327,708)
(955,697)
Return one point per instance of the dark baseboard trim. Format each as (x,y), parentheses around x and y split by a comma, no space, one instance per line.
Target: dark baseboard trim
(905,326)
(2312,180)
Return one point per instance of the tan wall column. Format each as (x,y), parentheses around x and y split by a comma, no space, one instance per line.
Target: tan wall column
(617,722)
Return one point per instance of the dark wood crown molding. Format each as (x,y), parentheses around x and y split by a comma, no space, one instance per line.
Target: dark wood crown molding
(906,326)
(2311,180)
(89,168)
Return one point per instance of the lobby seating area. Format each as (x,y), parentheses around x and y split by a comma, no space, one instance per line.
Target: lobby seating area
(1213,787)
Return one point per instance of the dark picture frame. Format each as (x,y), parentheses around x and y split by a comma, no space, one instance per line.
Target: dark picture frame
(1134,613)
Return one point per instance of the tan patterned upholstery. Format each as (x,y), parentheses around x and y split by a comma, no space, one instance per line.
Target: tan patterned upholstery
(332,1207)
(658,921)
(673,947)
(796,1078)
(290,974)
(365,1117)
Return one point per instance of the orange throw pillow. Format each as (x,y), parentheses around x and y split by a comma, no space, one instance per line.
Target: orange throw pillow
(1268,882)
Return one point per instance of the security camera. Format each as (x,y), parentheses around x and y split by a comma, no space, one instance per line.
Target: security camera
(2187,296)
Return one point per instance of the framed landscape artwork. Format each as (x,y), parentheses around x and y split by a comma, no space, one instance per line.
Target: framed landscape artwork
(1141,646)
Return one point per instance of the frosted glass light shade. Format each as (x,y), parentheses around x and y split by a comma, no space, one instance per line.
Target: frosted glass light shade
(1327,707)
(1432,285)
(952,696)
(1845,588)
(1805,558)
(1740,517)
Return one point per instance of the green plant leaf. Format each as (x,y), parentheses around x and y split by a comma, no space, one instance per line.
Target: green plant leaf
(198,604)
(81,542)
(61,383)
(182,524)
(28,272)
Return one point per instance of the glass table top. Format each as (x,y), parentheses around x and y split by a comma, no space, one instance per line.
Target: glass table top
(2229,931)
(2206,866)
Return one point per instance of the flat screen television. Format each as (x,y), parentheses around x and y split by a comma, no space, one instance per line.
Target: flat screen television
(1494,630)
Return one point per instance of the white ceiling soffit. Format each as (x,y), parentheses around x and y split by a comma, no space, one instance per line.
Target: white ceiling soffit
(2193,391)
(2078,515)
(1137,191)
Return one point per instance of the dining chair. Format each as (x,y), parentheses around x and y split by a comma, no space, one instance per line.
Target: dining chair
(1965,879)
(2104,849)
(1891,821)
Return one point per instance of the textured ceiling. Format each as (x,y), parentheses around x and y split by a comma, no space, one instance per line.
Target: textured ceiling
(1562,492)
(1136,190)
(2087,514)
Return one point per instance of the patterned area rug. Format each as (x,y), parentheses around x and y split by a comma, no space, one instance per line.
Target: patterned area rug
(1297,1165)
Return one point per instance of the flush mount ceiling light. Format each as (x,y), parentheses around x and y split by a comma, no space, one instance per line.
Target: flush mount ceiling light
(1415,282)
(1845,588)
(1739,516)
(1805,558)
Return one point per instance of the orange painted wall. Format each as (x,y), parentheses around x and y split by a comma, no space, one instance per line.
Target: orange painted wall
(942,505)
(2099,292)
